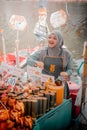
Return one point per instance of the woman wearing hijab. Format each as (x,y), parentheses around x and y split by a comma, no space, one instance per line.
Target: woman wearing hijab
(54,59)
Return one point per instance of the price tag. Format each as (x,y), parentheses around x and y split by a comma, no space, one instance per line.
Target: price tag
(18,72)
(34,71)
(4,68)
(45,78)
(8,69)
(12,81)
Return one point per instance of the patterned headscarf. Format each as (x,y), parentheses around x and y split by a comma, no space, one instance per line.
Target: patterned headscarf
(55,51)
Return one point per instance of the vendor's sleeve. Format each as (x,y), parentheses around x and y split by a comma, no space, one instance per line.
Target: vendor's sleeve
(70,66)
(33,58)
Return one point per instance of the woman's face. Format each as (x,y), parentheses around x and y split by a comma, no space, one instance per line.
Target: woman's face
(52,40)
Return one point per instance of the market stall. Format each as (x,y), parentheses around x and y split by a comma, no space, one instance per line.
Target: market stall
(31,100)
(26,103)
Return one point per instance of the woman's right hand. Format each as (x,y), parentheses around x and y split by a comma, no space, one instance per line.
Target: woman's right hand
(39,64)
(65,76)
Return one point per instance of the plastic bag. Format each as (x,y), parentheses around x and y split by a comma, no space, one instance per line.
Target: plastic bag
(41,28)
(78,98)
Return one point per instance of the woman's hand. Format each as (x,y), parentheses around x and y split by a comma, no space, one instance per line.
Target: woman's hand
(65,76)
(39,64)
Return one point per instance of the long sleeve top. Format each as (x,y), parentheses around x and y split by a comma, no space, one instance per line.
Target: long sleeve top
(66,54)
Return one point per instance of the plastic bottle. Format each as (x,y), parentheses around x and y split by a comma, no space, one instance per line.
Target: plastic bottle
(75,78)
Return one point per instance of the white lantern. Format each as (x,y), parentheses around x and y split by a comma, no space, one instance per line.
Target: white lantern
(17,22)
(58,18)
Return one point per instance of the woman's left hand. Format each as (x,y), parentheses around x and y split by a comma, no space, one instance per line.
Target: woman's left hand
(65,76)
